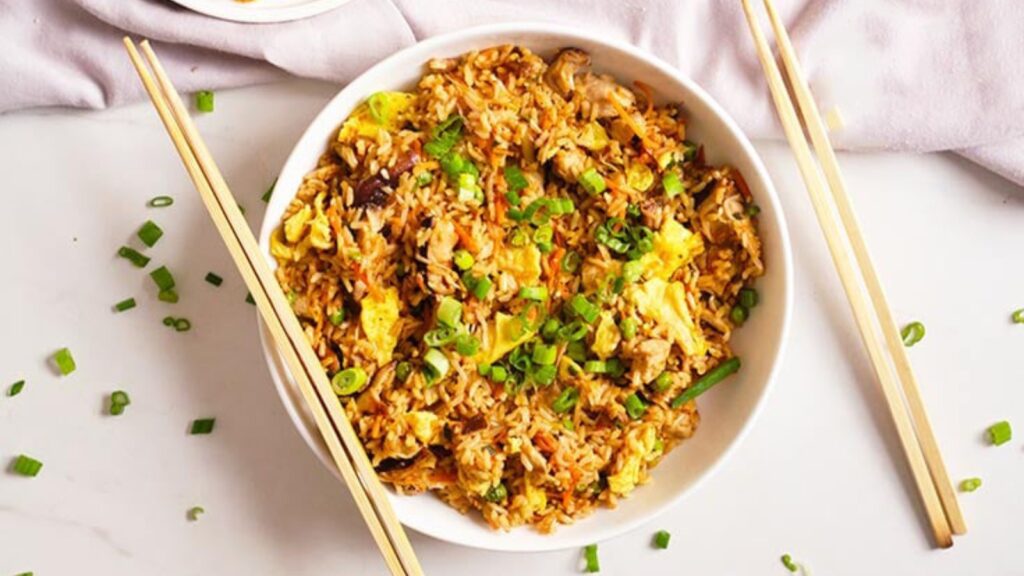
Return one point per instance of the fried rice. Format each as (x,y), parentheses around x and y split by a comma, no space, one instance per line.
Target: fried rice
(519,274)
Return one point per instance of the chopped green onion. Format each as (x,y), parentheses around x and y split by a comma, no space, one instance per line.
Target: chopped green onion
(513,199)
(241,209)
(592,182)
(194,512)
(270,191)
(403,370)
(248,298)
(348,381)
(444,137)
(566,400)
(169,296)
(1018,316)
(437,364)
(337,317)
(635,406)
(970,484)
(595,366)
(518,238)
(661,538)
(463,259)
(483,369)
(713,376)
(150,233)
(738,314)
(748,298)
(169,321)
(689,150)
(912,333)
(134,256)
(1000,433)
(204,101)
(118,400)
(377,103)
(787,561)
(496,493)
(202,426)
(126,304)
(64,361)
(543,236)
(628,327)
(27,466)
(571,261)
(576,350)
(214,279)
(498,374)
(563,206)
(545,374)
(455,165)
(549,330)
(573,331)
(663,382)
(672,184)
(160,202)
(544,354)
(440,336)
(631,271)
(590,556)
(467,344)
(515,180)
(535,293)
(468,188)
(482,287)
(584,308)
(15,388)
(449,312)
(753,210)
(182,325)
(163,278)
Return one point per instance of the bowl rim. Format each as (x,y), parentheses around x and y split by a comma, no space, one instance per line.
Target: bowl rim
(259,14)
(783,259)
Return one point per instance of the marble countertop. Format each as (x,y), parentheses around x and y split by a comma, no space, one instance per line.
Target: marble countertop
(821,477)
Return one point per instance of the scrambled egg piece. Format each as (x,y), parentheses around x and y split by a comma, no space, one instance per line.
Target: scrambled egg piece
(295,225)
(606,337)
(390,110)
(640,444)
(278,248)
(674,246)
(501,333)
(424,425)
(522,263)
(593,137)
(568,368)
(319,227)
(665,303)
(379,319)
(536,498)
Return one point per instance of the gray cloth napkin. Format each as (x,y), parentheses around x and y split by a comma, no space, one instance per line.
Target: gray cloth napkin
(911,75)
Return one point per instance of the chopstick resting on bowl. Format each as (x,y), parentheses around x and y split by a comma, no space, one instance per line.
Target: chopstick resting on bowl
(857,274)
(344,446)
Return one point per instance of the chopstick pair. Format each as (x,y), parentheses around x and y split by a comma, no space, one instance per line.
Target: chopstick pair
(344,446)
(872,313)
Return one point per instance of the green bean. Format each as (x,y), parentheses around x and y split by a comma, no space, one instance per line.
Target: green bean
(706,381)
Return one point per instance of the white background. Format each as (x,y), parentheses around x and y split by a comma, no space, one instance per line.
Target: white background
(821,476)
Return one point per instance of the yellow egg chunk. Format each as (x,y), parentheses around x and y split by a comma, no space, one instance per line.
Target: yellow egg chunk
(502,336)
(278,248)
(640,444)
(390,109)
(522,263)
(665,303)
(319,227)
(606,336)
(379,319)
(295,225)
(673,247)
(593,137)
(536,498)
(424,425)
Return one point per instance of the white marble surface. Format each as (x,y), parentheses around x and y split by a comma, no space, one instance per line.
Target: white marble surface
(820,477)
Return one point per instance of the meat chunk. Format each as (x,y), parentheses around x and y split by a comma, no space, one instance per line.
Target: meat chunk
(561,75)
(648,360)
(652,213)
(440,248)
(599,90)
(569,163)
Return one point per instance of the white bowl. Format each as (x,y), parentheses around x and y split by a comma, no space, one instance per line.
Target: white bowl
(728,411)
(262,12)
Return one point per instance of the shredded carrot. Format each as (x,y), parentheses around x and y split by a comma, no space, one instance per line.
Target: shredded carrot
(544,442)
(566,498)
(636,128)
(553,265)
(365,278)
(465,238)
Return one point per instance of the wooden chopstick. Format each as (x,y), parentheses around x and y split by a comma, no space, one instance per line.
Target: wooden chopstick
(830,166)
(862,309)
(346,451)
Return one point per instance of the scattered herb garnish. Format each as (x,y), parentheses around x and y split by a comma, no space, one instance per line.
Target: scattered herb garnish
(15,388)
(590,557)
(126,304)
(912,333)
(64,361)
(26,466)
(194,512)
(1000,433)
(160,202)
(149,233)
(661,538)
(787,561)
(270,191)
(202,426)
(214,279)
(970,484)
(134,256)
(118,400)
(204,100)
